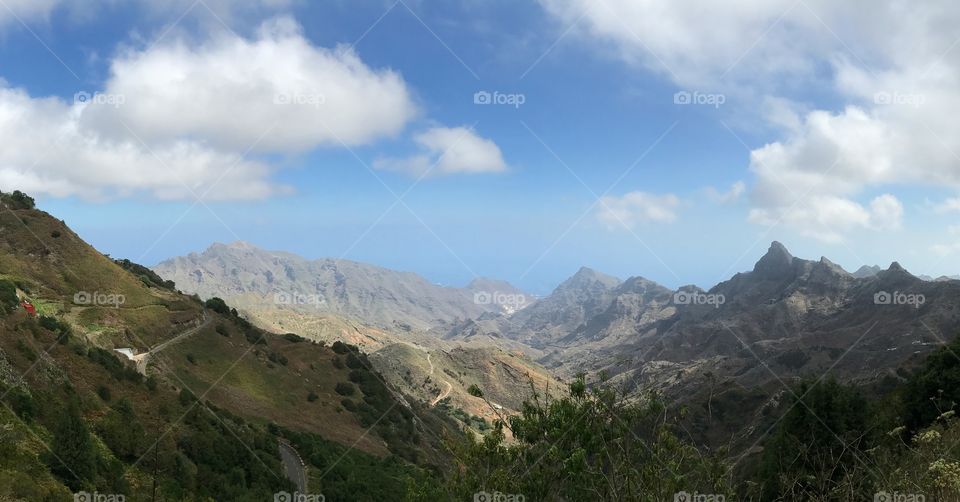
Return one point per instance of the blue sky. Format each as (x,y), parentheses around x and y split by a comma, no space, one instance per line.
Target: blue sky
(840,145)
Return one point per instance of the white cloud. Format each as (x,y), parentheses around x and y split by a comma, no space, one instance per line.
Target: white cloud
(275,93)
(214,11)
(47,151)
(892,65)
(733,194)
(178,120)
(830,218)
(951,205)
(886,212)
(14,11)
(635,208)
(695,41)
(449,150)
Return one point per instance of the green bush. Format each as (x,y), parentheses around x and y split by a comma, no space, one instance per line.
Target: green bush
(17,200)
(217,305)
(8,296)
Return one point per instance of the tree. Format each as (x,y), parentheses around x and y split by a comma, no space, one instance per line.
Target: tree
(19,200)
(8,295)
(345,389)
(73,458)
(934,389)
(122,432)
(218,305)
(592,445)
(817,452)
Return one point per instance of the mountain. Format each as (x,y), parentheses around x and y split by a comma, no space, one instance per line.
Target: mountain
(743,339)
(387,314)
(797,316)
(258,280)
(120,384)
(867,271)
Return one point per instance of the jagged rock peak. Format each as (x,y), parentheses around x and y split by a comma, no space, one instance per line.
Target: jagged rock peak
(776,261)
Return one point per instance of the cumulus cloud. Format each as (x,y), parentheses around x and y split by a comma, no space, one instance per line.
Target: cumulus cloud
(448,150)
(47,151)
(274,93)
(893,66)
(179,121)
(635,208)
(829,218)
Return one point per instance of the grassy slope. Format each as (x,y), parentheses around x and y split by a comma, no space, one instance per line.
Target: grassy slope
(244,380)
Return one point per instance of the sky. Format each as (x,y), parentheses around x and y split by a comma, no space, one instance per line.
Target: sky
(521,140)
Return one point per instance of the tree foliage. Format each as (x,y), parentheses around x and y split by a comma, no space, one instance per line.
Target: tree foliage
(592,445)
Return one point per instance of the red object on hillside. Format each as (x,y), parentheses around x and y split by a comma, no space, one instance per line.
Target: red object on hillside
(29,308)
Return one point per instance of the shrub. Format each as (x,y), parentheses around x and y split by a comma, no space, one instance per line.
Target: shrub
(18,200)
(104,392)
(312,396)
(217,305)
(294,338)
(278,358)
(8,295)
(345,389)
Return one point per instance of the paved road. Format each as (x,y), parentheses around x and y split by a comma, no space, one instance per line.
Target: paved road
(293,467)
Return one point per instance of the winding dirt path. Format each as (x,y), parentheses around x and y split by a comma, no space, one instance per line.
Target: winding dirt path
(142,359)
(443,394)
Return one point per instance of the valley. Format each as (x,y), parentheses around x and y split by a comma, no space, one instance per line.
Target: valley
(300,387)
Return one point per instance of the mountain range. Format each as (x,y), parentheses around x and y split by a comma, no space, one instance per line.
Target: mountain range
(785,319)
(256,279)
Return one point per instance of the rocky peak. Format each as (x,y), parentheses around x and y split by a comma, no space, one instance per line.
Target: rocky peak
(777,262)
(867,271)
(588,279)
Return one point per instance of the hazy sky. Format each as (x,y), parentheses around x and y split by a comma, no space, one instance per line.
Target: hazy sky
(519,140)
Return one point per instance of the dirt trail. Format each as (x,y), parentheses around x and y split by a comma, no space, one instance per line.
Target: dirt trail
(443,394)
(141,359)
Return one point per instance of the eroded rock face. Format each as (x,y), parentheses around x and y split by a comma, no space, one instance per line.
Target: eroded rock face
(787,317)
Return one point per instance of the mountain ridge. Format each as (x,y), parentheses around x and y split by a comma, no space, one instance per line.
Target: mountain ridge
(259,278)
